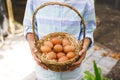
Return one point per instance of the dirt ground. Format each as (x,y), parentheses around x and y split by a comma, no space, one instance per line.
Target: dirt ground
(108,33)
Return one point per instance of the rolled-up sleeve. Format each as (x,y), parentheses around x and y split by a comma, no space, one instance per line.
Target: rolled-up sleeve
(90,20)
(27,21)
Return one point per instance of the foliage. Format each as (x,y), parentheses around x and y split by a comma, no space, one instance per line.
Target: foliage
(97,74)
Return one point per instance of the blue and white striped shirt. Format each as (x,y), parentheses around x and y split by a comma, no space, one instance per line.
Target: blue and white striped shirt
(61,19)
(55,18)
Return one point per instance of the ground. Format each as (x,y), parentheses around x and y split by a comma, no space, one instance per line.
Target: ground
(16,62)
(108,33)
(114,74)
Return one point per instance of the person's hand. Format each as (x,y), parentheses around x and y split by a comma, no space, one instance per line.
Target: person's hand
(82,55)
(33,49)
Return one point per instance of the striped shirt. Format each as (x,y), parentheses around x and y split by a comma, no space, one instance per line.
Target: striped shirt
(55,18)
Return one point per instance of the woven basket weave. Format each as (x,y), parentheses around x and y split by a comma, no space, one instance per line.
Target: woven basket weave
(51,64)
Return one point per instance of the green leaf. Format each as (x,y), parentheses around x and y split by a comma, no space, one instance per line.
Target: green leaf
(97,72)
(89,76)
(106,78)
(100,72)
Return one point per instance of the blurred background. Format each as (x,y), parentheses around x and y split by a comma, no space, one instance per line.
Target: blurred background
(16,62)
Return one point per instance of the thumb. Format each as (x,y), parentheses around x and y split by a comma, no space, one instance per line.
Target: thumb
(82,51)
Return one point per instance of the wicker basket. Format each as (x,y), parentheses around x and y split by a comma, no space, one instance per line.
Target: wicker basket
(51,64)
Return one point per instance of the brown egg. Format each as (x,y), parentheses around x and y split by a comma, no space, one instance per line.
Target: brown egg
(48,43)
(69,48)
(45,49)
(56,40)
(51,56)
(63,59)
(66,42)
(71,55)
(58,48)
(60,54)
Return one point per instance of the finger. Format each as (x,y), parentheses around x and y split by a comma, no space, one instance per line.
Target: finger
(77,63)
(80,60)
(82,51)
(73,67)
(36,58)
(35,50)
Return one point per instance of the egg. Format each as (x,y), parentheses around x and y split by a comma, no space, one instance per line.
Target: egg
(51,56)
(58,48)
(69,48)
(45,49)
(56,40)
(63,59)
(66,42)
(60,54)
(49,44)
(70,55)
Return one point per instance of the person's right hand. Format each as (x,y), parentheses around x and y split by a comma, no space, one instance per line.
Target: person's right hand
(33,49)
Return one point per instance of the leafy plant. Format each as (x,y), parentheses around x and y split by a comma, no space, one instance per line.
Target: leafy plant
(97,74)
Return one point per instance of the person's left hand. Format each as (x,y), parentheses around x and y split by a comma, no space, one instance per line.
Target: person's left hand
(77,64)
(82,55)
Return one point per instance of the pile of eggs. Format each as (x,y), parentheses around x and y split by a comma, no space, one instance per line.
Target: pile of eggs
(58,49)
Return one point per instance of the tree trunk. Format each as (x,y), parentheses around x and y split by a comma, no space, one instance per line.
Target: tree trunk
(12,23)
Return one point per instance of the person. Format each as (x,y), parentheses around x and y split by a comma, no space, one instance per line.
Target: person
(55,18)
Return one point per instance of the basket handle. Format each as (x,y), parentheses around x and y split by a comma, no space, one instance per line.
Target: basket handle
(61,4)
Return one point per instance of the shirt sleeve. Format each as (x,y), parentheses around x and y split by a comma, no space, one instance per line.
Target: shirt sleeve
(27,21)
(90,20)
